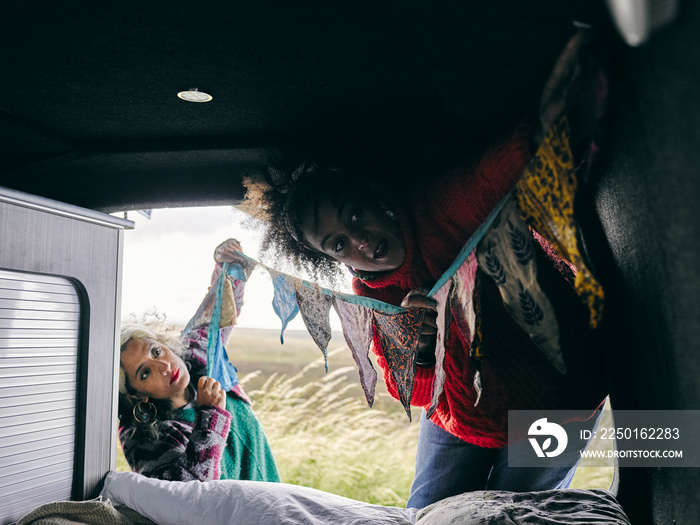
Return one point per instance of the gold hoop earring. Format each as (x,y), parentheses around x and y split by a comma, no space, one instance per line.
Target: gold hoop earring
(145,412)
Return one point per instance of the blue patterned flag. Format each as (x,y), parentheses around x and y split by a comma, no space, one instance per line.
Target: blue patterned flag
(284,302)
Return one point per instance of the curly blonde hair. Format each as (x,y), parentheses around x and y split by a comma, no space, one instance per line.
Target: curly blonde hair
(158,330)
(149,326)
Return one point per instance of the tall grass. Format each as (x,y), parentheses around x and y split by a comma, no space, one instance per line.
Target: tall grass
(324,436)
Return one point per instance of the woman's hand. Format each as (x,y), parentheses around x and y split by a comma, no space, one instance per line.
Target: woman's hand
(209,393)
(425,353)
(226,252)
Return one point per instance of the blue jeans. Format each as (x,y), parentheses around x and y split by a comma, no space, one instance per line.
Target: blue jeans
(447,466)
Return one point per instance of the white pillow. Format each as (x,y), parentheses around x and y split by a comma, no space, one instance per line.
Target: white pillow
(243,503)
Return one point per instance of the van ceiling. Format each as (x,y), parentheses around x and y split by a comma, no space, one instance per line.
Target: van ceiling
(89,113)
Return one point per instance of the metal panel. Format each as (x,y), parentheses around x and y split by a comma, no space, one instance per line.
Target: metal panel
(58,402)
(59,450)
(32,305)
(39,329)
(49,238)
(29,445)
(58,347)
(39,489)
(20,391)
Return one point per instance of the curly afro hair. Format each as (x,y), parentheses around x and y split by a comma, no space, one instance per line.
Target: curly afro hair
(281,201)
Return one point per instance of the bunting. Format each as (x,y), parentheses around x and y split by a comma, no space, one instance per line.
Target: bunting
(222,370)
(219,311)
(356,321)
(284,302)
(546,195)
(501,247)
(507,255)
(315,306)
(462,304)
(475,351)
(442,298)
(399,334)
(465,316)
(228,307)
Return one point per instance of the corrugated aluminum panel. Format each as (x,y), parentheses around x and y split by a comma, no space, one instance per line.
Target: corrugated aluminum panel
(39,325)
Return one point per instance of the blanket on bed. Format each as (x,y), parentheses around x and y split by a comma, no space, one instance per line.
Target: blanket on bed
(259,503)
(550,507)
(92,512)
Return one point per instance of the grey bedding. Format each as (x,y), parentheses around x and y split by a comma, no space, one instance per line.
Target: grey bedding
(566,506)
(136,499)
(257,503)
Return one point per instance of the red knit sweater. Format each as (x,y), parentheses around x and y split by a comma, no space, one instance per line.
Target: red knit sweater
(436,222)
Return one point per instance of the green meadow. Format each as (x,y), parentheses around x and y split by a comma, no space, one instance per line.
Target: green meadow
(319,425)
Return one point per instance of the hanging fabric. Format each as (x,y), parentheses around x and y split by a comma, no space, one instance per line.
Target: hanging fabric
(356,321)
(443,319)
(284,302)
(501,247)
(315,306)
(228,306)
(545,196)
(507,255)
(464,301)
(475,351)
(399,334)
(219,310)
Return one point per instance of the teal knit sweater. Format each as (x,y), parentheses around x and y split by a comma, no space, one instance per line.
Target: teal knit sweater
(247,454)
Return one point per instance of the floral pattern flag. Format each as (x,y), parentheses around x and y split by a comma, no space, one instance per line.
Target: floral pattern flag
(399,334)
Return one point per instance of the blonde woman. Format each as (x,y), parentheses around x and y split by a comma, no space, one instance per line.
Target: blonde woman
(175,423)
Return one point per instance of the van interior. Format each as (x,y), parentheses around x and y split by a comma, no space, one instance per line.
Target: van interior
(95,119)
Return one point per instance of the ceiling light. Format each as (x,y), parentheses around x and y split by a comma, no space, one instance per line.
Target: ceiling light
(194,95)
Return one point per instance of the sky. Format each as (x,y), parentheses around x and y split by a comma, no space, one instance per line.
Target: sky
(168,260)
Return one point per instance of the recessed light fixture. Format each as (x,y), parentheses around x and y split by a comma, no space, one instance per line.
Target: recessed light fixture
(194,95)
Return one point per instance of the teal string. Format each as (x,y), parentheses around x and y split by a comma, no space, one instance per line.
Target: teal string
(469,246)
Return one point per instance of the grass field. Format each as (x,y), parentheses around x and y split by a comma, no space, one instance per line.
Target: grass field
(320,428)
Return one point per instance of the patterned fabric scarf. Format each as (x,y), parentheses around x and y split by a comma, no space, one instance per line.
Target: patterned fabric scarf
(545,197)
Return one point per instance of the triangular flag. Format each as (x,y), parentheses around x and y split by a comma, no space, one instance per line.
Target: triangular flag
(315,306)
(356,321)
(464,302)
(546,195)
(399,334)
(229,307)
(284,302)
(507,255)
(222,370)
(443,323)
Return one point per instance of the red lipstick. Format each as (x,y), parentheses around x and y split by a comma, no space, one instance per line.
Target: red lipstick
(176,374)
